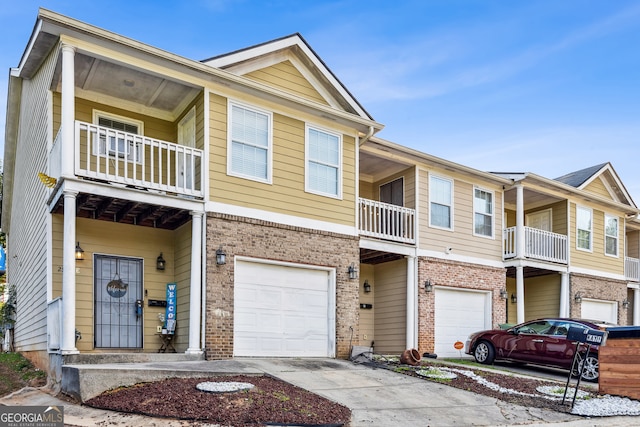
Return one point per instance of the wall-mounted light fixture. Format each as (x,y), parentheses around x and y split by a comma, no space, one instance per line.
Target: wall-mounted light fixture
(79,252)
(514,298)
(578,297)
(353,273)
(428,287)
(625,303)
(504,294)
(367,286)
(160,262)
(221,256)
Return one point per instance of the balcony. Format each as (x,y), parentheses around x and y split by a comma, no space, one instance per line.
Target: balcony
(632,269)
(126,159)
(387,221)
(538,244)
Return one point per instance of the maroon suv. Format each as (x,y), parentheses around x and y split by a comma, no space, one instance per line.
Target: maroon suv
(540,342)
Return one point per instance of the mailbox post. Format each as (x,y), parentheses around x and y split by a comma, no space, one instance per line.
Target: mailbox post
(582,336)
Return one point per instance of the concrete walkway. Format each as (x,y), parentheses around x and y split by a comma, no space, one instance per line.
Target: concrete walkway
(376,397)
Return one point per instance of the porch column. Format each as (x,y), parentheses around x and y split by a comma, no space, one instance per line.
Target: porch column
(519,221)
(69,274)
(412,301)
(520,294)
(67,113)
(636,307)
(564,294)
(195,298)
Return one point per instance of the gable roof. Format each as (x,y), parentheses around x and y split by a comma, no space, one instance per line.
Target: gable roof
(609,179)
(295,49)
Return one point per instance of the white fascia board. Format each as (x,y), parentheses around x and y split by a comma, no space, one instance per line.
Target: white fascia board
(383,246)
(279,218)
(597,273)
(460,258)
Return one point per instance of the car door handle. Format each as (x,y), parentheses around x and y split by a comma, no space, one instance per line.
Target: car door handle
(537,340)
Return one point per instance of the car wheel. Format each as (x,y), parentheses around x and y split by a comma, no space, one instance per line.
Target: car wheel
(589,367)
(484,353)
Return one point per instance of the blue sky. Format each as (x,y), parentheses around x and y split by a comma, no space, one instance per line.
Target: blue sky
(542,86)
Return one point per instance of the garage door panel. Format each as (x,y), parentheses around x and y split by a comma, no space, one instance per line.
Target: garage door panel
(600,310)
(281,311)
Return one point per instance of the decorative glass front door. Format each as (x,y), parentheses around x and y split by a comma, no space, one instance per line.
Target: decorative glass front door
(118,302)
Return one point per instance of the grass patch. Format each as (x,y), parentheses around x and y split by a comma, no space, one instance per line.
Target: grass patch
(17,372)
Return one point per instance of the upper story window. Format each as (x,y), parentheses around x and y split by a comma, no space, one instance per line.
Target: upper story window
(482,212)
(440,202)
(584,225)
(118,141)
(324,165)
(249,144)
(393,192)
(611,235)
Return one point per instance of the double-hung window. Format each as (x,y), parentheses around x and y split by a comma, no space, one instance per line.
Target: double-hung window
(482,212)
(323,161)
(249,143)
(584,225)
(611,235)
(116,136)
(440,202)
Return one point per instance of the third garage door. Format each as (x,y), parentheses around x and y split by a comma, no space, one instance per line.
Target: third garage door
(282,311)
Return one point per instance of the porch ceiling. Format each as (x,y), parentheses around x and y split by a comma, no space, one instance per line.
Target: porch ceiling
(370,256)
(529,272)
(126,211)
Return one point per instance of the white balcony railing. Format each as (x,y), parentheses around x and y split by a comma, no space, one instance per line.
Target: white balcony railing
(632,268)
(538,244)
(136,160)
(387,221)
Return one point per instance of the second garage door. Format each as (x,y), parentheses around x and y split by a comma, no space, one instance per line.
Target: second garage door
(458,313)
(599,310)
(283,311)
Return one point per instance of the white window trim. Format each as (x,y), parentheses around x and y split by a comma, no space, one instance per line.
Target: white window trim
(269,114)
(617,254)
(493,213)
(97,114)
(308,127)
(451,207)
(578,208)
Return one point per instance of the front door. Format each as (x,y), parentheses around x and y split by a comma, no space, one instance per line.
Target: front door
(118,302)
(186,137)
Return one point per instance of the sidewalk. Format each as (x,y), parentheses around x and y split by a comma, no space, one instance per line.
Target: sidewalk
(376,397)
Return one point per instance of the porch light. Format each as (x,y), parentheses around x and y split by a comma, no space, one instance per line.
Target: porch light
(160,262)
(367,286)
(625,303)
(514,299)
(79,252)
(428,287)
(221,256)
(578,297)
(353,273)
(504,294)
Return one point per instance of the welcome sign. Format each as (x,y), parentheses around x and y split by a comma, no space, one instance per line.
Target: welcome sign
(170,311)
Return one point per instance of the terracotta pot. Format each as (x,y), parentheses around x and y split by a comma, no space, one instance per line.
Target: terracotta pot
(410,356)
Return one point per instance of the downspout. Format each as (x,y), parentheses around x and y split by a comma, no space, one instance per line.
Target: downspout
(367,136)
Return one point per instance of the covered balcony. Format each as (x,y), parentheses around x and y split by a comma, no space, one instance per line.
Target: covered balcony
(538,244)
(632,269)
(387,221)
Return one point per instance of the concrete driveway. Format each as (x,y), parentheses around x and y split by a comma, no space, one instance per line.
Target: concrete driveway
(377,397)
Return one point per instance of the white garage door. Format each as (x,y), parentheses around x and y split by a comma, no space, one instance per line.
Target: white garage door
(605,311)
(458,313)
(283,311)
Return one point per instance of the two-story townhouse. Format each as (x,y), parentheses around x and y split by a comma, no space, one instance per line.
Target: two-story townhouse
(139,184)
(571,247)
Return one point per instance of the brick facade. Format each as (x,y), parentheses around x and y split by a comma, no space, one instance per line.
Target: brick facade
(597,288)
(267,240)
(459,275)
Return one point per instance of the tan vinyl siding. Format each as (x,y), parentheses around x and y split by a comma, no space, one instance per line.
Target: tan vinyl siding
(633,244)
(366,190)
(107,238)
(27,236)
(182,245)
(391,307)
(286,194)
(598,188)
(461,239)
(367,316)
(285,76)
(558,216)
(596,259)
(542,297)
